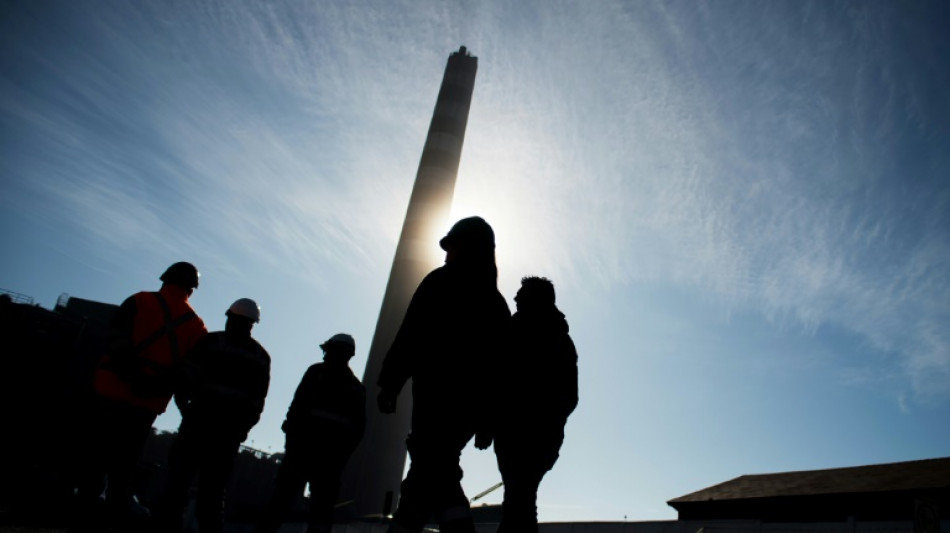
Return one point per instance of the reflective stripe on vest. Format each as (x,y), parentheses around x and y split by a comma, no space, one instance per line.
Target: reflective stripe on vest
(169,328)
(147,361)
(231,355)
(320,414)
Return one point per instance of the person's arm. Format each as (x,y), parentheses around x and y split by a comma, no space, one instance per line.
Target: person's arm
(398,365)
(187,373)
(570,396)
(259,390)
(302,399)
(190,333)
(357,415)
(120,329)
(495,355)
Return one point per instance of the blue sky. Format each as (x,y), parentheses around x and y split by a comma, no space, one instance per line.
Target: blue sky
(745,206)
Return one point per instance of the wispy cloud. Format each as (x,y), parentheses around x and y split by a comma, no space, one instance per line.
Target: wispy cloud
(780,158)
(650,148)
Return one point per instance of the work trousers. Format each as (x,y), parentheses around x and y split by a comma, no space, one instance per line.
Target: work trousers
(208,450)
(317,461)
(432,488)
(117,435)
(524,455)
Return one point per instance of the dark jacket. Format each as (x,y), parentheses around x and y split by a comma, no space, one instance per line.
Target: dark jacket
(448,343)
(225,382)
(329,402)
(539,380)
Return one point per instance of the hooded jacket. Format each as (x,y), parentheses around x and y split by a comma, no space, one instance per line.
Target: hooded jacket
(538,383)
(448,344)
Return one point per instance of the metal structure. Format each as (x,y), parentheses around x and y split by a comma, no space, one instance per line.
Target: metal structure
(371,481)
(16,297)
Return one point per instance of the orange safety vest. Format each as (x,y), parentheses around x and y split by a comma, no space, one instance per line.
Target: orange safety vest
(161,336)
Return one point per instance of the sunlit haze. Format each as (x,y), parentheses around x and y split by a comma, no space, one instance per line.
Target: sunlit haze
(743,205)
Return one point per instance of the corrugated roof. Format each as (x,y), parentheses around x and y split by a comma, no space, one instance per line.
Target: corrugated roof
(910,475)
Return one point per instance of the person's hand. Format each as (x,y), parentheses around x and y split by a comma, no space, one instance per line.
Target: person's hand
(386,401)
(181,403)
(483,440)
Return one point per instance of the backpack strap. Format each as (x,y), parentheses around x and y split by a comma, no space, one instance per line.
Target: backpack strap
(168,328)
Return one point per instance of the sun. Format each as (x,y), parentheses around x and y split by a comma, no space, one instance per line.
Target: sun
(510,244)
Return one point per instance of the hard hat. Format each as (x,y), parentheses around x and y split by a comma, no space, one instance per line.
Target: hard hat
(181,273)
(342,340)
(247,308)
(472,231)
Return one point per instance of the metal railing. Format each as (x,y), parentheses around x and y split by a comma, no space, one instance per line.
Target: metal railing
(17,297)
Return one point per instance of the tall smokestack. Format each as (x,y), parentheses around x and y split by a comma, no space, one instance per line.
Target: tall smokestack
(375,470)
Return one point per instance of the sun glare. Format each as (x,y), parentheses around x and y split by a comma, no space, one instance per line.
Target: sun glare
(508,255)
(437,230)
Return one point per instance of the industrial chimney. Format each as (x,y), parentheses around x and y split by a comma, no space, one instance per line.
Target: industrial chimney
(371,481)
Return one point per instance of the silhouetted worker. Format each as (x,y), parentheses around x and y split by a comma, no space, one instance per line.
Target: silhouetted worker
(538,391)
(151,332)
(452,330)
(324,424)
(221,396)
